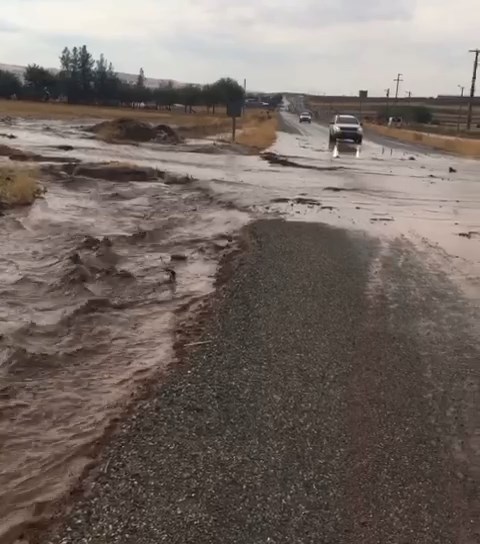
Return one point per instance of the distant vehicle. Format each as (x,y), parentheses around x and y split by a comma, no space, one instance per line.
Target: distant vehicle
(346,127)
(395,122)
(305,117)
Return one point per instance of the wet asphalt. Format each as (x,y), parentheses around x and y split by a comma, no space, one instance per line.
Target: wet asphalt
(334,401)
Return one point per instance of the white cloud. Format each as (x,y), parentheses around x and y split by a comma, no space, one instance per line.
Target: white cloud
(332,46)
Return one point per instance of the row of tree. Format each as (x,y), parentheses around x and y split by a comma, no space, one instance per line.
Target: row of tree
(83,80)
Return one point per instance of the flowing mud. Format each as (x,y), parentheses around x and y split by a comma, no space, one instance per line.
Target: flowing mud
(90,278)
(91,275)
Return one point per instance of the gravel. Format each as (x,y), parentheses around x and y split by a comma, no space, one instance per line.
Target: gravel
(334,400)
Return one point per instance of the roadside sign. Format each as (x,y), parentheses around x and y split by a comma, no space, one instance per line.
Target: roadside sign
(363,94)
(235,108)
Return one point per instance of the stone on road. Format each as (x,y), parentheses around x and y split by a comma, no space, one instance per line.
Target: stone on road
(333,403)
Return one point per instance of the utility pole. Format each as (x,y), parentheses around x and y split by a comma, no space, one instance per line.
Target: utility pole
(472,89)
(398,79)
(244,94)
(462,89)
(387,94)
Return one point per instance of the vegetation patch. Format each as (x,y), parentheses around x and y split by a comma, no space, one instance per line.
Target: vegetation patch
(259,131)
(18,186)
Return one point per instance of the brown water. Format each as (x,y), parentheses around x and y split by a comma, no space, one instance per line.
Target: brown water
(83,321)
(79,334)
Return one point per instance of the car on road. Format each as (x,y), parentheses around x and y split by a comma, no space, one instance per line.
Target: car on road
(305,117)
(346,127)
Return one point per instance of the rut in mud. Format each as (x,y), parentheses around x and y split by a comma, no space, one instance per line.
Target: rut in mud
(88,310)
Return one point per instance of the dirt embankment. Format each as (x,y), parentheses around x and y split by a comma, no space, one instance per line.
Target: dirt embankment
(462,146)
(126,129)
(20,155)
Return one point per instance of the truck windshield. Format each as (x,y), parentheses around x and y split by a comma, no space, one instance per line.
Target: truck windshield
(347,119)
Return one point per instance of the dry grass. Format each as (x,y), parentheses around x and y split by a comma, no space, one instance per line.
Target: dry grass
(52,110)
(461,146)
(18,186)
(258,131)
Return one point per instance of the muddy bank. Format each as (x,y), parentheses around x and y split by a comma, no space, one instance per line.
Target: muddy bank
(275,159)
(131,130)
(91,276)
(20,155)
(235,438)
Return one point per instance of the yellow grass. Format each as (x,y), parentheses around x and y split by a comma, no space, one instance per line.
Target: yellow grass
(258,131)
(461,146)
(52,110)
(18,186)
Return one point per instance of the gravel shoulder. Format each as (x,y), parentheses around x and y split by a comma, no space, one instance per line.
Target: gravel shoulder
(335,400)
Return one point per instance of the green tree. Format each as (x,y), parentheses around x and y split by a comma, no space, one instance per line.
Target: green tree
(69,74)
(105,81)
(76,74)
(211,96)
(190,96)
(10,84)
(141,79)
(86,76)
(229,90)
(40,82)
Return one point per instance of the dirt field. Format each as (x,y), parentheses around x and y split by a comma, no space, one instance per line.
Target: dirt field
(256,129)
(446,114)
(467,147)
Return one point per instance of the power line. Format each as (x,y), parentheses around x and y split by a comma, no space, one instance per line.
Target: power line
(472,89)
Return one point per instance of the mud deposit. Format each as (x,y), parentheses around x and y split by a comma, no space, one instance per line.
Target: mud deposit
(87,312)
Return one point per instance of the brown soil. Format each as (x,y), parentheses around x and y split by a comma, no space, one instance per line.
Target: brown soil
(126,129)
(117,172)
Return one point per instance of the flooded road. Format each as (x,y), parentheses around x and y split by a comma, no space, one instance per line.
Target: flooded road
(87,310)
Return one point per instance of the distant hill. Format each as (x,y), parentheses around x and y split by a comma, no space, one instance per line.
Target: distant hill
(150,82)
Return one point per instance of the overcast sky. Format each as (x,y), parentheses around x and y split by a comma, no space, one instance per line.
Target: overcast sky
(321,46)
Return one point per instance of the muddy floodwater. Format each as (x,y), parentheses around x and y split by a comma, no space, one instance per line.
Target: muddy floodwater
(87,307)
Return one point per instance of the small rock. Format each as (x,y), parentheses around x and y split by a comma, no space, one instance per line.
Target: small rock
(411,158)
(451,170)
(65,147)
(178,257)
(90,242)
(172,274)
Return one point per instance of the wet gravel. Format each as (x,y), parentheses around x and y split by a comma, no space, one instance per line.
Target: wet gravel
(334,401)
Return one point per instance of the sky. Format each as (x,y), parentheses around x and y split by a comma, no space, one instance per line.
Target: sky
(311,46)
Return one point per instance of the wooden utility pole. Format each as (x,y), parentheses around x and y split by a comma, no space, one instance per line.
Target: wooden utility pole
(472,89)
(398,79)
(387,94)
(462,90)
